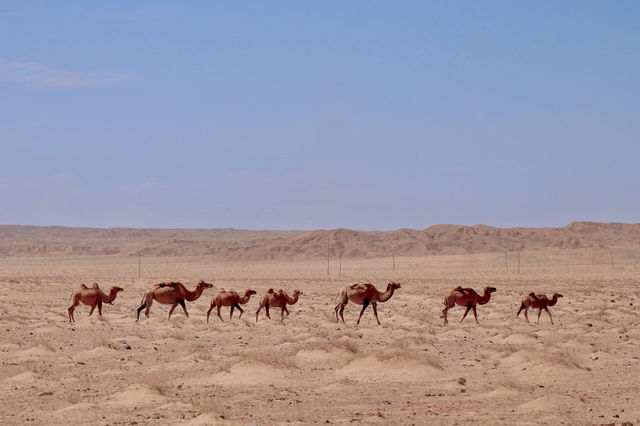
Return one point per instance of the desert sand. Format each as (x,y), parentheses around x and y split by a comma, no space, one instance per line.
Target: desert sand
(310,369)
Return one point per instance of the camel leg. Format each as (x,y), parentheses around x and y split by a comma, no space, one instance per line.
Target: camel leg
(374,305)
(266,310)
(184,307)
(526,310)
(282,310)
(364,306)
(92,308)
(257,312)
(100,309)
(342,312)
(547,309)
(149,302)
(539,312)
(172,308)
(444,313)
(285,310)
(71,309)
(520,310)
(219,313)
(466,312)
(231,312)
(474,314)
(209,312)
(238,308)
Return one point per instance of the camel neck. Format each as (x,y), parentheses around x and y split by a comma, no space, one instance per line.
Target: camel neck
(193,295)
(294,300)
(387,294)
(485,297)
(553,301)
(244,299)
(111,296)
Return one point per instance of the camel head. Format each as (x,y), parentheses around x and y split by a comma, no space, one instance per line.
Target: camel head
(204,285)
(297,293)
(490,289)
(557,295)
(394,285)
(250,292)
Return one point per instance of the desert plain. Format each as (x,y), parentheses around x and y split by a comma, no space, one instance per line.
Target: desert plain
(411,369)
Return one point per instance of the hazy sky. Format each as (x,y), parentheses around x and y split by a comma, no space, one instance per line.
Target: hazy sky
(305,115)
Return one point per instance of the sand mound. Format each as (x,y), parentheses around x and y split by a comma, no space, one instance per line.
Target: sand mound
(137,395)
(372,369)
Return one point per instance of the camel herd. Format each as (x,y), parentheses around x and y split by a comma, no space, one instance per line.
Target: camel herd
(175,293)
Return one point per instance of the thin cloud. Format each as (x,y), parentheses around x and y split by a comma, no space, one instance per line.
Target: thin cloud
(33,74)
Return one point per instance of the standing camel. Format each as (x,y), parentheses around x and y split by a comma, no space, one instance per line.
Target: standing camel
(173,294)
(91,297)
(466,297)
(276,299)
(229,298)
(538,301)
(363,294)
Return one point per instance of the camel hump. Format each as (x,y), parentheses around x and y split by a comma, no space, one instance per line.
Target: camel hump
(271,291)
(95,285)
(462,289)
(84,287)
(535,296)
(359,287)
(171,284)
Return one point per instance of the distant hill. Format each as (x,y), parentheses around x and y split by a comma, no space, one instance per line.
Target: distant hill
(234,244)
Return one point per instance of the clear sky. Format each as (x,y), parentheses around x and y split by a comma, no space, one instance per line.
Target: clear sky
(325,114)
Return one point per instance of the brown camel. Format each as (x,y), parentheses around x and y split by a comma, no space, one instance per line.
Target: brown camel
(276,299)
(466,297)
(173,294)
(363,294)
(229,298)
(91,297)
(538,301)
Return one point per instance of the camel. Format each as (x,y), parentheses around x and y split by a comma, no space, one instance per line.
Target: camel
(538,301)
(276,299)
(229,298)
(363,294)
(91,296)
(466,297)
(173,294)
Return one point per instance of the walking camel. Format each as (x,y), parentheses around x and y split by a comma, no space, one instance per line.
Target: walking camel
(229,298)
(172,293)
(466,297)
(363,294)
(538,301)
(91,297)
(276,299)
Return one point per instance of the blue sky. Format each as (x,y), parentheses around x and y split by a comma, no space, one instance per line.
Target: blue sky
(306,115)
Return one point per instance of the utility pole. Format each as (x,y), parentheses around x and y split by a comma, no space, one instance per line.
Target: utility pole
(138,264)
(506,261)
(340,265)
(393,257)
(611,257)
(518,262)
(327,256)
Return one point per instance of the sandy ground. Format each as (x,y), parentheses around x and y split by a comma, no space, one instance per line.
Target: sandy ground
(410,370)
